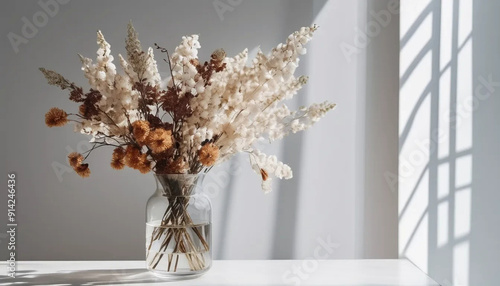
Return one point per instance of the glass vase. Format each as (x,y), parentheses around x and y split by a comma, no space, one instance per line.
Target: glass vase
(178,227)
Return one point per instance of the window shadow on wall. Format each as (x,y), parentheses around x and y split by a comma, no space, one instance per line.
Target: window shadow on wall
(436,147)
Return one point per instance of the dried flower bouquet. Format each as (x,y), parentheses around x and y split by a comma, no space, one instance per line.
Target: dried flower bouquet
(200,116)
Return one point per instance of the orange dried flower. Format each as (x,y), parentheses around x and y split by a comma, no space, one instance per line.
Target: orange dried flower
(83,170)
(140,130)
(56,117)
(133,157)
(75,159)
(118,153)
(145,166)
(208,154)
(159,140)
(117,164)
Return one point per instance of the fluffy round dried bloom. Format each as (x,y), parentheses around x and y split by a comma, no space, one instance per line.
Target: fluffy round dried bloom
(75,159)
(145,165)
(133,157)
(83,170)
(140,130)
(118,160)
(208,154)
(117,164)
(56,117)
(119,153)
(159,140)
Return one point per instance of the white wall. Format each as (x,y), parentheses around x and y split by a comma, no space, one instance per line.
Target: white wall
(102,217)
(380,143)
(485,214)
(449,140)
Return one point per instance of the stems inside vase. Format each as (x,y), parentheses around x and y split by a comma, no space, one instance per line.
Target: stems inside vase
(179,238)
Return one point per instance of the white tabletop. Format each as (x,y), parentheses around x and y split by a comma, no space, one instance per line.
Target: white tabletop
(223,272)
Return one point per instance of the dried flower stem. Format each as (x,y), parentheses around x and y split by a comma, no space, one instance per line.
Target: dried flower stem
(177,215)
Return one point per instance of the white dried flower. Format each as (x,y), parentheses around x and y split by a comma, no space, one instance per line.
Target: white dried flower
(224,102)
(265,165)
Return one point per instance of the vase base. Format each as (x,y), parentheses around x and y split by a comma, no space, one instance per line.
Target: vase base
(173,276)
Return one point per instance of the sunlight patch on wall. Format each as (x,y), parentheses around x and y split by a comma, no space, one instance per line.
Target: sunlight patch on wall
(442,224)
(462,214)
(465,105)
(436,107)
(461,264)
(412,10)
(444,110)
(420,37)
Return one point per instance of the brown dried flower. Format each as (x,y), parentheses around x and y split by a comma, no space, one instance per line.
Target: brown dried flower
(117,162)
(83,170)
(159,140)
(208,154)
(82,109)
(119,153)
(75,159)
(56,117)
(133,157)
(140,130)
(145,165)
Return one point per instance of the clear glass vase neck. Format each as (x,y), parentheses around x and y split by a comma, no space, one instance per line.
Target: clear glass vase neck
(179,185)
